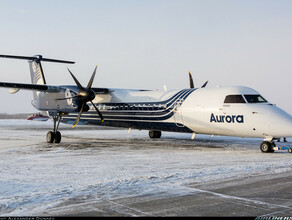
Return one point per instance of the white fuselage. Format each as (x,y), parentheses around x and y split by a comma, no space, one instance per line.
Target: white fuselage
(205,112)
(202,111)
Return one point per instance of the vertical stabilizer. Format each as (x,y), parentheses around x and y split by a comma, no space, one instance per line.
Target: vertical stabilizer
(36,71)
(37,75)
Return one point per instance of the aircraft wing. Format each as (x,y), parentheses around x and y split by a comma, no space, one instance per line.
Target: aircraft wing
(47,88)
(43,88)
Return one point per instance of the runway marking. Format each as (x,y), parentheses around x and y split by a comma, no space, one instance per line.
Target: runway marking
(132,209)
(72,206)
(273,213)
(89,205)
(241,199)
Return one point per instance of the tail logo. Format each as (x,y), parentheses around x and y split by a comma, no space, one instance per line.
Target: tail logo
(37,73)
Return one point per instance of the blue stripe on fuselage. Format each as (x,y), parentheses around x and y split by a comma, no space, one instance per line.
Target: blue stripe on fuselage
(141,118)
(142,112)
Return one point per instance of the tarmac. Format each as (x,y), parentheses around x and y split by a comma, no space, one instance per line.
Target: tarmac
(97,172)
(262,195)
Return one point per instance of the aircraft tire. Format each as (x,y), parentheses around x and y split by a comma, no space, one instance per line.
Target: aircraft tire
(272,147)
(57,137)
(154,134)
(50,137)
(266,147)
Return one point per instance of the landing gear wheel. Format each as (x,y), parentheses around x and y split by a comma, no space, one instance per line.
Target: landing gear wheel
(57,137)
(272,147)
(267,147)
(50,137)
(53,137)
(154,134)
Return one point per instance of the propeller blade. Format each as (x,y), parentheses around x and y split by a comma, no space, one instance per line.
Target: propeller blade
(92,78)
(79,115)
(191,81)
(76,81)
(203,86)
(99,113)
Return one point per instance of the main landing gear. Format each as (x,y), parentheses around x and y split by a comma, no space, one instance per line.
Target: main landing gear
(55,136)
(154,134)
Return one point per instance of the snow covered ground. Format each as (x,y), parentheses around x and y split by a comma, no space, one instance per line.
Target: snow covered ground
(92,164)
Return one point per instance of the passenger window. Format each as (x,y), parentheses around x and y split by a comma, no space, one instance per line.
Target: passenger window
(255,99)
(234,99)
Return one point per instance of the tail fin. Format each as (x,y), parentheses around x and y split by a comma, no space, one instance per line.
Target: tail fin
(37,75)
(36,71)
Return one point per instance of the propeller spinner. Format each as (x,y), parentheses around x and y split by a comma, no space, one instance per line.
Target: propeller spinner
(85,95)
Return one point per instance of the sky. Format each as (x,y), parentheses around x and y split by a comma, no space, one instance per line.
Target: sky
(145,44)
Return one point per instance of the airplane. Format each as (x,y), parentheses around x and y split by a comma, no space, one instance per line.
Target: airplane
(228,111)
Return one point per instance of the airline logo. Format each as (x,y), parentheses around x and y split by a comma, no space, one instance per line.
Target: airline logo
(69,97)
(226,118)
(37,73)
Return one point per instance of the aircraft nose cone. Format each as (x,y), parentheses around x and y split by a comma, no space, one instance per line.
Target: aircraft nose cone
(281,124)
(287,129)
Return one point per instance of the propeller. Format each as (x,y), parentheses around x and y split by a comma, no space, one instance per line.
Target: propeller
(192,82)
(85,95)
(203,86)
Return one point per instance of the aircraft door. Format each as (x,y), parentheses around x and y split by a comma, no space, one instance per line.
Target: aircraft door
(178,113)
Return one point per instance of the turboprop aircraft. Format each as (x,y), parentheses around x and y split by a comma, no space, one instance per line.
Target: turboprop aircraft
(231,111)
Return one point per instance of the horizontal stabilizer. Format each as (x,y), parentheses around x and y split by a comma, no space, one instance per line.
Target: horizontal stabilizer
(36,58)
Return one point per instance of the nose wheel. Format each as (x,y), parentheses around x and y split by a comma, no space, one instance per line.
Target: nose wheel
(55,135)
(267,147)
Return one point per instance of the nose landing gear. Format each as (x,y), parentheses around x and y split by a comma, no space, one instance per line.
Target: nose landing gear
(267,147)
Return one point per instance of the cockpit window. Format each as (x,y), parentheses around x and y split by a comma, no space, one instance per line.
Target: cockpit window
(234,99)
(255,99)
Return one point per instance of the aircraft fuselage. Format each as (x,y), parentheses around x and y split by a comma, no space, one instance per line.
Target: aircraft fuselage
(202,111)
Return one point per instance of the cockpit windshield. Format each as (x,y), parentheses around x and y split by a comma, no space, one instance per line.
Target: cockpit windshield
(234,99)
(255,99)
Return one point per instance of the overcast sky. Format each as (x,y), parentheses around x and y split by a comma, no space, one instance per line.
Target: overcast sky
(148,43)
